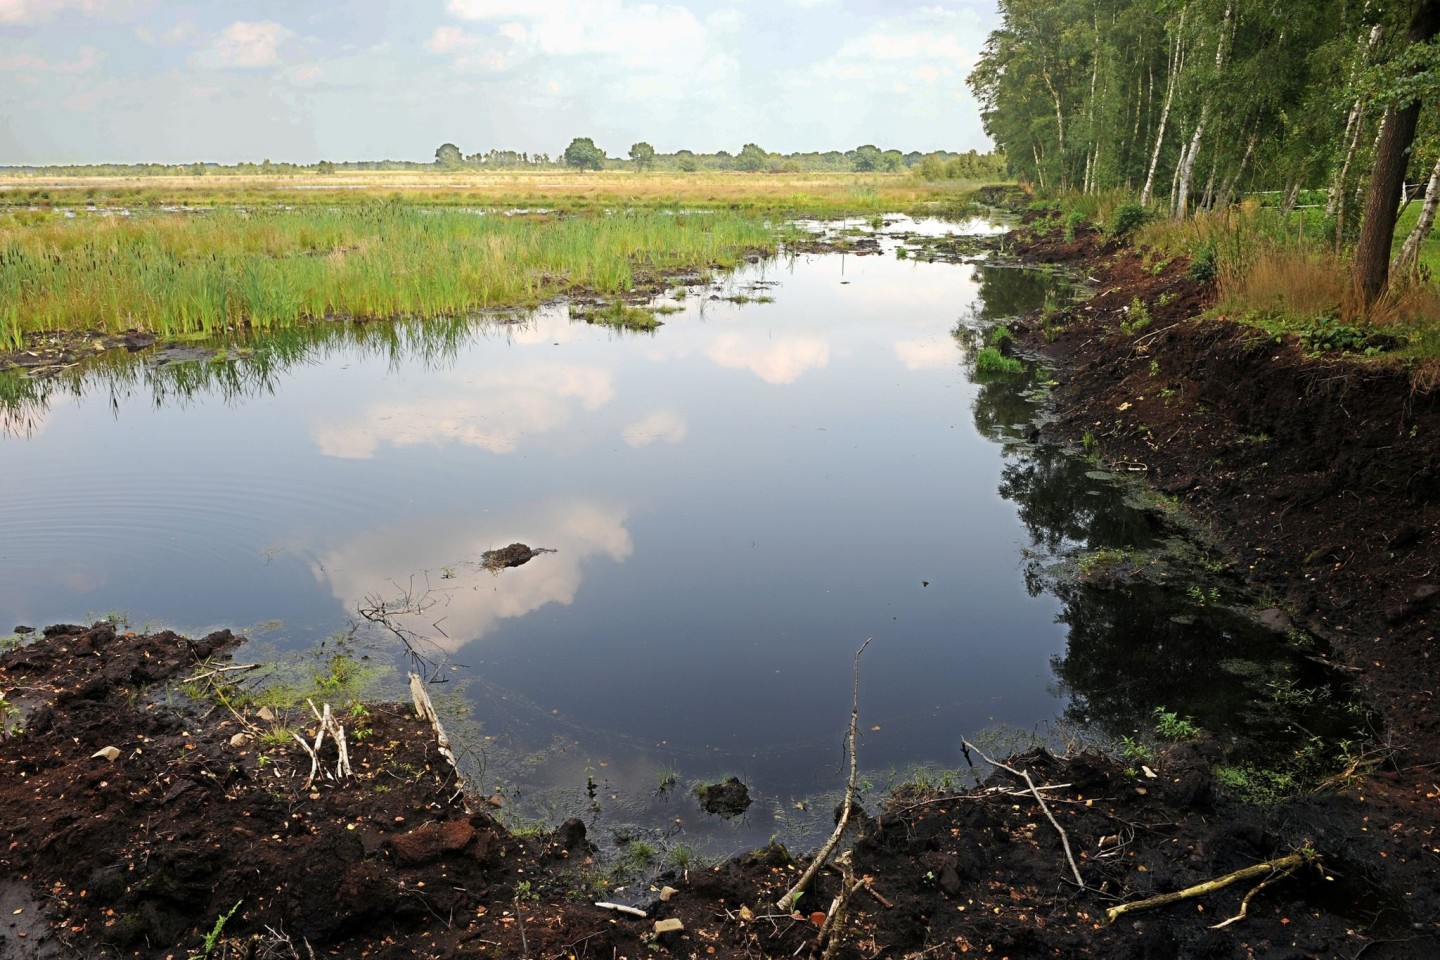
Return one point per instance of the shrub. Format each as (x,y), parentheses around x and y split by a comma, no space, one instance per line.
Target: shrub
(1127,218)
(990,362)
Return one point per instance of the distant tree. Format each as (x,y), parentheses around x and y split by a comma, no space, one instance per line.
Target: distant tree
(868,159)
(685,160)
(197,169)
(448,155)
(643,155)
(584,155)
(752,158)
(325,167)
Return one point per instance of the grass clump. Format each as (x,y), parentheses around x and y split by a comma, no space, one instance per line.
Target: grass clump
(225,270)
(991,363)
(619,314)
(1127,218)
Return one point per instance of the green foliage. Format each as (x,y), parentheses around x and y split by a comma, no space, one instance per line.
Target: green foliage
(990,362)
(1324,334)
(212,939)
(1169,725)
(1202,263)
(1137,316)
(642,155)
(582,154)
(1128,218)
(448,156)
(752,158)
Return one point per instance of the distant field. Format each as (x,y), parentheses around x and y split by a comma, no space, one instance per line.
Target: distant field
(794,193)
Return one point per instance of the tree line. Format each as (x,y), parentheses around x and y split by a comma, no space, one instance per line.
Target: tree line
(1191,103)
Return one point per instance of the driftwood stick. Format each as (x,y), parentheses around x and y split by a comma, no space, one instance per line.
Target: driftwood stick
(787,903)
(1035,792)
(425,710)
(1245,903)
(219,670)
(839,910)
(1287,863)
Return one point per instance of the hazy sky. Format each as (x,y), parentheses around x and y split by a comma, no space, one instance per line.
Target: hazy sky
(131,80)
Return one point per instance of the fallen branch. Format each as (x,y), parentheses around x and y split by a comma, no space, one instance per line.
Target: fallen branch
(621,908)
(425,710)
(787,903)
(835,918)
(1035,792)
(219,670)
(1288,864)
(1245,903)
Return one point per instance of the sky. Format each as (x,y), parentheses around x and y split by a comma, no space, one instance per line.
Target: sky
(125,81)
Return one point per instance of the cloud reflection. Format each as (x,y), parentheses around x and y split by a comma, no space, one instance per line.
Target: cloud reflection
(661,426)
(441,556)
(494,412)
(778,360)
(927,354)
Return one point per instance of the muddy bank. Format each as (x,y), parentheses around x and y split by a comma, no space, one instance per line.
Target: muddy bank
(139,815)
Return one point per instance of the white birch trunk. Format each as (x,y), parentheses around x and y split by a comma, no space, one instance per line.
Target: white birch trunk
(1409,259)
(1177,62)
(1187,163)
(1353,124)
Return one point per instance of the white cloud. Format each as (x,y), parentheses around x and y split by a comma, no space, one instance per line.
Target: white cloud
(87,59)
(247,45)
(33,11)
(780,360)
(665,426)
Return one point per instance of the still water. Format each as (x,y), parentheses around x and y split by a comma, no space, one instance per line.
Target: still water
(735,504)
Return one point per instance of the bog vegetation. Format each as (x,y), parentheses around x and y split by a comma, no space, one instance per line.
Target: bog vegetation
(1319,115)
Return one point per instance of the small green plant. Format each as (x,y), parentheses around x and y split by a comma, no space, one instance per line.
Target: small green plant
(1202,597)
(1154,368)
(1135,751)
(1137,316)
(1326,334)
(1202,263)
(1090,444)
(990,362)
(1073,222)
(666,780)
(1169,725)
(212,939)
(524,893)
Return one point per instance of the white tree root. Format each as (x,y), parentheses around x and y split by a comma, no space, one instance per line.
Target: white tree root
(1035,792)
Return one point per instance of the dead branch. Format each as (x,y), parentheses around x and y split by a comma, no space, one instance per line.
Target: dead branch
(839,907)
(1288,863)
(328,724)
(787,902)
(425,710)
(1035,792)
(216,672)
(1245,903)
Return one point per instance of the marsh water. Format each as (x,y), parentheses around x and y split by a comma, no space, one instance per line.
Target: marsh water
(800,458)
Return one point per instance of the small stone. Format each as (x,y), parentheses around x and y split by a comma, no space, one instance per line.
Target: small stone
(109,753)
(266,714)
(672,925)
(239,740)
(666,893)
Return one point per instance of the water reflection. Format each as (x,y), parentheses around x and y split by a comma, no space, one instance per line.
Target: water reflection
(780,360)
(431,574)
(494,411)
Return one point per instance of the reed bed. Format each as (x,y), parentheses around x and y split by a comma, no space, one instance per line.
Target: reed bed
(201,274)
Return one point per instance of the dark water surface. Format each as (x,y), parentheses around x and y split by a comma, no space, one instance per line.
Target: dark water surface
(735,503)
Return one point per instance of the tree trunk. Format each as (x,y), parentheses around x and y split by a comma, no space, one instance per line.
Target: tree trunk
(1377,231)
(1409,259)
(1177,61)
(1187,164)
(1353,125)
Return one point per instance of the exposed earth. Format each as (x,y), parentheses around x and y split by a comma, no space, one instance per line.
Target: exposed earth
(137,816)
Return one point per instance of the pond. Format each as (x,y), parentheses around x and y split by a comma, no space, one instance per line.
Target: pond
(799,459)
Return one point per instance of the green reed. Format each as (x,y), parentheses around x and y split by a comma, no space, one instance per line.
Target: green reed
(188,274)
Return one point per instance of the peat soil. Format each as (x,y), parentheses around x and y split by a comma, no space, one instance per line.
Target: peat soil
(1319,474)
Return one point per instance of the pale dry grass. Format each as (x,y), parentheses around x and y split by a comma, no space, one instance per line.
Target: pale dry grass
(549,189)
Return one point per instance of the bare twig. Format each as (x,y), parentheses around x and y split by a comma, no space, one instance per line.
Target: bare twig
(787,902)
(839,907)
(620,908)
(425,710)
(1287,863)
(219,670)
(1035,792)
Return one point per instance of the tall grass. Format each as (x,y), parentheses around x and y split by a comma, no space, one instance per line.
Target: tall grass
(190,274)
(1280,271)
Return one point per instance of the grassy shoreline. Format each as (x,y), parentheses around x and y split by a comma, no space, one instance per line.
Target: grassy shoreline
(182,275)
